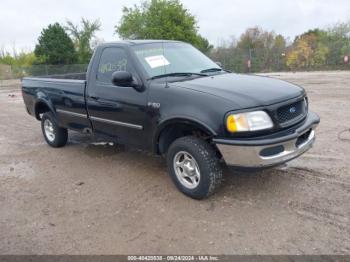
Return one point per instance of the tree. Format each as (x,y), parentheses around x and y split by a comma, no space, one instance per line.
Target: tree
(203,44)
(83,38)
(300,55)
(309,50)
(338,39)
(320,55)
(263,48)
(278,52)
(161,19)
(55,46)
(6,58)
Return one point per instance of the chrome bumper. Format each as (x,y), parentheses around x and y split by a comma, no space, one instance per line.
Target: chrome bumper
(262,154)
(251,157)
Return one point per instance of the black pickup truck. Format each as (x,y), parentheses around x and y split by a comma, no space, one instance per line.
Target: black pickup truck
(169,98)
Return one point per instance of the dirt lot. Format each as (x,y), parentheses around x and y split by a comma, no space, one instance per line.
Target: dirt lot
(98,199)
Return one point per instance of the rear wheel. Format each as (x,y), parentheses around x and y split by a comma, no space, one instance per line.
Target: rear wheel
(194,167)
(54,135)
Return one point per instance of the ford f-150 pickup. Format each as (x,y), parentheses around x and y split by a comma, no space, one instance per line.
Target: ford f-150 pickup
(169,98)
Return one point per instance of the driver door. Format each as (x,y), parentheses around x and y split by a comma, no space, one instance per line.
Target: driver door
(115,111)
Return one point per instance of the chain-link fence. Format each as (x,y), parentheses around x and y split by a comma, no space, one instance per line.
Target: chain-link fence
(234,59)
(250,60)
(10,75)
(16,72)
(264,60)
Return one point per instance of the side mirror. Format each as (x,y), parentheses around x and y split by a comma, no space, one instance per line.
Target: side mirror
(125,79)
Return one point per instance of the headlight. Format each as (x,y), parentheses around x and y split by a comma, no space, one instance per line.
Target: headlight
(251,121)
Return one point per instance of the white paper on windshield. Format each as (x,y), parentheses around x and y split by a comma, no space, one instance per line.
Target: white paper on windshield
(157,61)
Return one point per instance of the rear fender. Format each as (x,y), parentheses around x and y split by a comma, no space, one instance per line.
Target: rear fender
(42,99)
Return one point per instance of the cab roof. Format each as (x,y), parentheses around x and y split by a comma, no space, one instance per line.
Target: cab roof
(138,42)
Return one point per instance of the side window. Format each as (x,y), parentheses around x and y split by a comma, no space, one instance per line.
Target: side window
(112,59)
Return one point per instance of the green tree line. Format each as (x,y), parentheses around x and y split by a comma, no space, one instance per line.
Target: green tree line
(256,50)
(58,45)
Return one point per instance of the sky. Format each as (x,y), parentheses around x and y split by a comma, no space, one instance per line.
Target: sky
(21,21)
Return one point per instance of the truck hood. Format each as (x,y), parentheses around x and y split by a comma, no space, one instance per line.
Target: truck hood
(246,91)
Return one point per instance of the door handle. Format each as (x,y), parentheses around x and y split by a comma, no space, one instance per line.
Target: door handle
(103,102)
(94,98)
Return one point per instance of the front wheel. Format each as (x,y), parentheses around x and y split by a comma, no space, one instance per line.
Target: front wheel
(54,135)
(194,167)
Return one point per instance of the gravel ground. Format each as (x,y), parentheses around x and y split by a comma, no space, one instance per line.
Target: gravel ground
(90,198)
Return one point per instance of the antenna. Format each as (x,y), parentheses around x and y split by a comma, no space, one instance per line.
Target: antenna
(164,66)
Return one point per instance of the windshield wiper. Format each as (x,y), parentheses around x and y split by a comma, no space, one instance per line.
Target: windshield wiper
(211,70)
(178,74)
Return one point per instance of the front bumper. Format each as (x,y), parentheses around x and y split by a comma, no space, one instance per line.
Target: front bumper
(255,153)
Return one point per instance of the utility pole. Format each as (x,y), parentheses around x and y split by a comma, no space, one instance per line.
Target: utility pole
(249,63)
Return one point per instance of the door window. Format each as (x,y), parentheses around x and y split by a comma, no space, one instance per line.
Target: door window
(112,60)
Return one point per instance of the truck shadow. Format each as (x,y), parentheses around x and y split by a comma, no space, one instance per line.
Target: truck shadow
(237,184)
(259,186)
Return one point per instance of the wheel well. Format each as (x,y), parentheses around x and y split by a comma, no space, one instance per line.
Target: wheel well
(41,108)
(176,130)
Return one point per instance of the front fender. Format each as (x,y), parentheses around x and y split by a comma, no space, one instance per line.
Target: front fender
(180,120)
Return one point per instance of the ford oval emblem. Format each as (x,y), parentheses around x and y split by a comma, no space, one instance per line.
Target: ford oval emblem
(292,110)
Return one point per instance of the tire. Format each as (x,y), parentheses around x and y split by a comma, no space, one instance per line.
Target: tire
(180,163)
(54,135)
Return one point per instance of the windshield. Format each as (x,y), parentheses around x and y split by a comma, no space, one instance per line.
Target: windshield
(171,58)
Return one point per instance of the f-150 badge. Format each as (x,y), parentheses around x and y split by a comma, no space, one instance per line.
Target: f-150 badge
(154,105)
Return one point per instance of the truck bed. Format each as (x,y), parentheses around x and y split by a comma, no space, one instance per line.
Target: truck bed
(76,76)
(65,94)
(56,81)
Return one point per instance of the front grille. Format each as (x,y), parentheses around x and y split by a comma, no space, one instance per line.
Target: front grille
(291,112)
